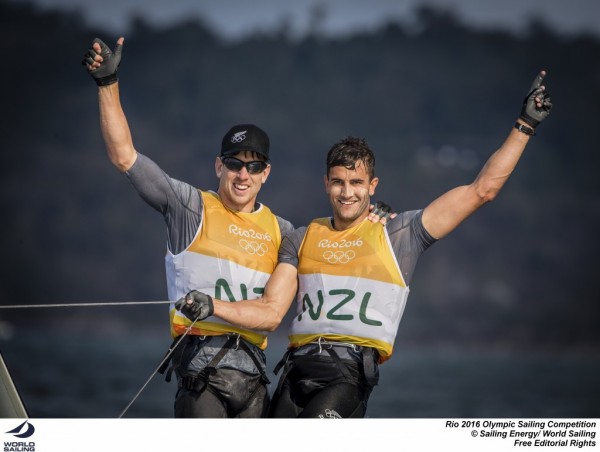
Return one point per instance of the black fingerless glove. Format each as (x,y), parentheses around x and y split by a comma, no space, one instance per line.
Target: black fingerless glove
(201,305)
(530,112)
(106,74)
(382,209)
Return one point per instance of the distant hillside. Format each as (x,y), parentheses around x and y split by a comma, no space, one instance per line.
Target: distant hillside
(433,103)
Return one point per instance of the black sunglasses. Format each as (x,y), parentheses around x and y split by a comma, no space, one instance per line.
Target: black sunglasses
(253,167)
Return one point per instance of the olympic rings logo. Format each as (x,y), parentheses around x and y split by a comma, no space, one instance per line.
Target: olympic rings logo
(260,249)
(339,257)
(238,137)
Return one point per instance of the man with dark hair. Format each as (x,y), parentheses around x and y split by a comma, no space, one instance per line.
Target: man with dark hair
(222,243)
(351,277)
(220,367)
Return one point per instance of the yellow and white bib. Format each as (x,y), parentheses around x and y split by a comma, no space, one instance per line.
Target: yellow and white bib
(350,287)
(231,258)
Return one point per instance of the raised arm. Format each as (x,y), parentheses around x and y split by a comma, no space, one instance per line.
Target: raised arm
(102,64)
(444,214)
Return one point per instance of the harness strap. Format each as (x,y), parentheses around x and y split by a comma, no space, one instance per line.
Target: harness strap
(198,382)
(341,366)
(263,374)
(282,362)
(226,347)
(174,359)
(288,366)
(369,362)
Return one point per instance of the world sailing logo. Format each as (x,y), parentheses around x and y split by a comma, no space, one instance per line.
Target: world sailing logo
(25,430)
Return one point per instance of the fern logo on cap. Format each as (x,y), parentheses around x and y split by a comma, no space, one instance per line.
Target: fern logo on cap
(245,137)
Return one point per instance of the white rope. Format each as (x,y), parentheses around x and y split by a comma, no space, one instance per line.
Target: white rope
(118,303)
(73,305)
(167,356)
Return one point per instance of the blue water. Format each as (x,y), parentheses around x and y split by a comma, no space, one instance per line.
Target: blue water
(91,375)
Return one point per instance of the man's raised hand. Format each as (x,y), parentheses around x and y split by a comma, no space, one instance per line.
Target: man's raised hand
(102,63)
(537,104)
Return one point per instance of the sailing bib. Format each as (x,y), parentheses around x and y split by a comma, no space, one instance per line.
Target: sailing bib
(231,258)
(350,287)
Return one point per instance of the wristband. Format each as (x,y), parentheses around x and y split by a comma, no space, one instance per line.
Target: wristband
(108,80)
(524,129)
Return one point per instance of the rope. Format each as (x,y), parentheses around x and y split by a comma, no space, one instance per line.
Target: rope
(71,305)
(167,356)
(122,303)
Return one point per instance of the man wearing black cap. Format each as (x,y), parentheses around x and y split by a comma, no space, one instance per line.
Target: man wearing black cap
(224,244)
(350,278)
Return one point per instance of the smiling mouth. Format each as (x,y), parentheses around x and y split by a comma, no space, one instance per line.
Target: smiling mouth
(241,187)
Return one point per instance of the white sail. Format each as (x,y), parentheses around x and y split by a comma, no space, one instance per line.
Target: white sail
(11,405)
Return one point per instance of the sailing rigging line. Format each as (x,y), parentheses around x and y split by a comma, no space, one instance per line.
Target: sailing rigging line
(73,305)
(119,303)
(167,356)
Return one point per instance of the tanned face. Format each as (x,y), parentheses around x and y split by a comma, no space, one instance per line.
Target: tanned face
(349,193)
(238,189)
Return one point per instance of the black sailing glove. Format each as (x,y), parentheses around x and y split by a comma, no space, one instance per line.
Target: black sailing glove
(106,74)
(537,103)
(382,210)
(195,305)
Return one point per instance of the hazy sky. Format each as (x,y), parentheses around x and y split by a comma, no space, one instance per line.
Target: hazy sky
(235,18)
